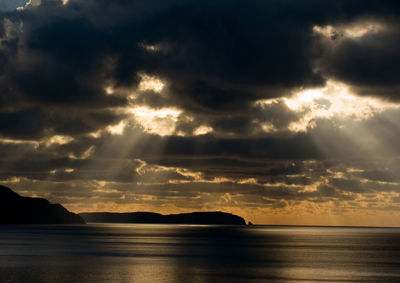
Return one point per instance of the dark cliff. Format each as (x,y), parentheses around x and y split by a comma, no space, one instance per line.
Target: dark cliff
(219,218)
(15,209)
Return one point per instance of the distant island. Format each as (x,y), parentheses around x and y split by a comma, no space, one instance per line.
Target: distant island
(217,218)
(15,209)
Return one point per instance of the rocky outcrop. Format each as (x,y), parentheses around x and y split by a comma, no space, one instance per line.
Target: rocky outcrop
(15,209)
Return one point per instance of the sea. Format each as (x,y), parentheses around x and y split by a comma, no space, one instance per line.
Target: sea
(197,253)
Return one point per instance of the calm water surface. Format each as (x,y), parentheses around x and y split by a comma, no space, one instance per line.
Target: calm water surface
(179,253)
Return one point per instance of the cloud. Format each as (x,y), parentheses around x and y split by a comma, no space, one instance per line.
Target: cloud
(266,106)
(366,59)
(10,5)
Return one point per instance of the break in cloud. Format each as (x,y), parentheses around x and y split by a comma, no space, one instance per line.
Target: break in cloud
(280,111)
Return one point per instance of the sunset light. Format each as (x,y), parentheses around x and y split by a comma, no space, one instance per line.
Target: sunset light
(199,141)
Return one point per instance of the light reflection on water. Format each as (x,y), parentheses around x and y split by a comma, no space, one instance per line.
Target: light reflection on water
(178,253)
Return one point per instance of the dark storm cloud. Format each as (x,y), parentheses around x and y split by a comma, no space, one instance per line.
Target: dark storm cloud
(24,123)
(349,185)
(369,64)
(215,57)
(35,123)
(74,123)
(300,146)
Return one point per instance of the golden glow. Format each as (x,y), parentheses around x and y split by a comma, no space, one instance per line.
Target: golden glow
(337,174)
(164,121)
(326,31)
(334,100)
(197,176)
(12,180)
(152,83)
(252,181)
(355,29)
(362,29)
(268,127)
(117,129)
(96,134)
(58,139)
(101,189)
(151,47)
(12,141)
(141,168)
(303,98)
(354,170)
(89,152)
(202,130)
(157,121)
(288,212)
(108,196)
(265,102)
(109,90)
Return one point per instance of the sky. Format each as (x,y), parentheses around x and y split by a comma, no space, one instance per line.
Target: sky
(283,112)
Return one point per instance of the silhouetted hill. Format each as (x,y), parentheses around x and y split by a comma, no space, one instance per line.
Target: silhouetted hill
(15,209)
(151,217)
